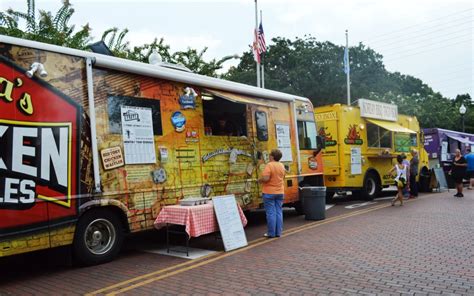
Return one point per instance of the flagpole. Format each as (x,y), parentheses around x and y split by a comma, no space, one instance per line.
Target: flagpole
(256,28)
(263,56)
(348,71)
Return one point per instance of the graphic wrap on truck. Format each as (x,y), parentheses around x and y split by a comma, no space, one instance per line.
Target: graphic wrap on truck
(158,141)
(39,156)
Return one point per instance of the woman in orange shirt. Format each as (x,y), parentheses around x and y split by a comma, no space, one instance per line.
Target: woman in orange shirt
(273,189)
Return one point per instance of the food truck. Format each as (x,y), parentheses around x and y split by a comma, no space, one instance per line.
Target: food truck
(441,145)
(361,146)
(93,146)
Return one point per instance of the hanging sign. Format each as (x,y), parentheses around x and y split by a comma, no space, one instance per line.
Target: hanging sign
(188,100)
(112,158)
(137,133)
(378,110)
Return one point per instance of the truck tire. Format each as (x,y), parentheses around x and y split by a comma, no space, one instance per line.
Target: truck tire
(371,187)
(299,207)
(98,237)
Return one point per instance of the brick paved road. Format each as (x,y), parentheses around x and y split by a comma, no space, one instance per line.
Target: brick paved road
(425,247)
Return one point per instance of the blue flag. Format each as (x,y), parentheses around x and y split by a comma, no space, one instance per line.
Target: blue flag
(347,69)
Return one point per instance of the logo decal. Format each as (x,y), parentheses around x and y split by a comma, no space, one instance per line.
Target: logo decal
(353,136)
(327,137)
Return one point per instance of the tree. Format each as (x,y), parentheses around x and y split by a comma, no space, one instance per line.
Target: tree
(314,69)
(190,58)
(46,28)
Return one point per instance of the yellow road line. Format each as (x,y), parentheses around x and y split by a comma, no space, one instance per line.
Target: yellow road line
(222,256)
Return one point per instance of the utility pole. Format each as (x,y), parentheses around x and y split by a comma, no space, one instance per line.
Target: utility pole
(256,40)
(263,69)
(347,69)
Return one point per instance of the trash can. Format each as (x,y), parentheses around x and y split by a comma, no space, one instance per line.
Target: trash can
(314,202)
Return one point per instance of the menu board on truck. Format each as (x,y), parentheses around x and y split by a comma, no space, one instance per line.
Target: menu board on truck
(137,133)
(283,141)
(356,161)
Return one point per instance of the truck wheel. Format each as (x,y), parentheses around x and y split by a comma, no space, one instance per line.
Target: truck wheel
(371,187)
(299,208)
(98,237)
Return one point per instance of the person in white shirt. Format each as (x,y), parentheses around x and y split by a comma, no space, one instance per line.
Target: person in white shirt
(401,178)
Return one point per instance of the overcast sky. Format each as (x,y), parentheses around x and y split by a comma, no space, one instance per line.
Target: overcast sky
(429,39)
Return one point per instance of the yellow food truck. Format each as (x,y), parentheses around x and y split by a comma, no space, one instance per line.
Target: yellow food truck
(361,144)
(92,146)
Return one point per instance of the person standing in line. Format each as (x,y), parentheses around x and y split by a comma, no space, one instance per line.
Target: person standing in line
(406,189)
(400,179)
(470,167)
(413,173)
(458,171)
(273,189)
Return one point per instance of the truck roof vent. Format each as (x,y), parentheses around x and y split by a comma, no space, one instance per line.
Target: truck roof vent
(101,48)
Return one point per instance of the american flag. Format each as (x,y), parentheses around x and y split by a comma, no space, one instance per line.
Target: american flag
(259,46)
(261,39)
(256,47)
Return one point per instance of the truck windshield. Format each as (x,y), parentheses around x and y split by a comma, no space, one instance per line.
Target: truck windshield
(307,135)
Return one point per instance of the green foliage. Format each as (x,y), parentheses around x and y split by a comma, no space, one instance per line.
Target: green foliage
(314,69)
(48,28)
(190,58)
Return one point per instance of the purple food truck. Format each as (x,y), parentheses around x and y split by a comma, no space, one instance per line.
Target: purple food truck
(441,145)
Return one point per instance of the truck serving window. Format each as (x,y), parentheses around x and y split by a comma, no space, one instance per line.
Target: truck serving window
(224,118)
(262,125)
(307,134)
(378,137)
(114,104)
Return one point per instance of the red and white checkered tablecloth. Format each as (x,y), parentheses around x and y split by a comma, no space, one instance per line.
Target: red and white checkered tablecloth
(199,220)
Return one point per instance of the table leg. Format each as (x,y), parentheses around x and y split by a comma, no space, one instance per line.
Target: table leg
(167,239)
(187,244)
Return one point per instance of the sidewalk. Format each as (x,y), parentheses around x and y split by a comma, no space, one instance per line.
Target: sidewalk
(423,247)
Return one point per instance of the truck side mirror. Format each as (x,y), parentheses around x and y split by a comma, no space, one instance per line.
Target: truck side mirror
(320,142)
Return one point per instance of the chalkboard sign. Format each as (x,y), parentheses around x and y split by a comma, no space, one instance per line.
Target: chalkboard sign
(230,224)
(441,178)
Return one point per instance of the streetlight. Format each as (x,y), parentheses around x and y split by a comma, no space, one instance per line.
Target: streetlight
(462,111)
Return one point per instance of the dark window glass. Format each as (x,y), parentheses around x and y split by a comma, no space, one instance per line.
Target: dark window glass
(307,135)
(372,135)
(262,126)
(115,120)
(385,138)
(224,118)
(378,137)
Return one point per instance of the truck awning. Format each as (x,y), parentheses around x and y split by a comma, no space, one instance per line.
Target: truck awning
(239,98)
(391,126)
(461,139)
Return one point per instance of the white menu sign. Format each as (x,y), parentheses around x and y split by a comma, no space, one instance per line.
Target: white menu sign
(378,110)
(284,141)
(230,224)
(356,161)
(137,134)
(444,151)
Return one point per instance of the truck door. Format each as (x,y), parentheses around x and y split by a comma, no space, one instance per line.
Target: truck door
(328,130)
